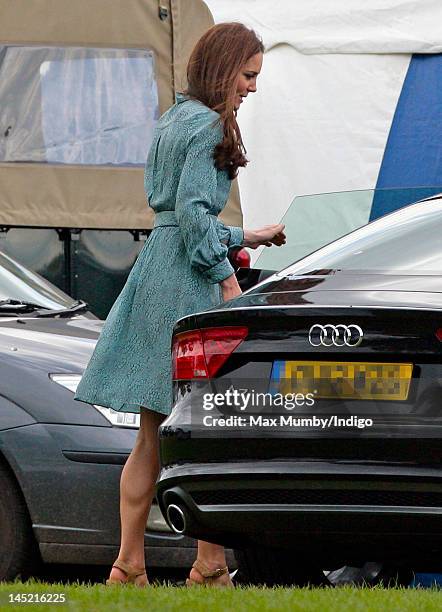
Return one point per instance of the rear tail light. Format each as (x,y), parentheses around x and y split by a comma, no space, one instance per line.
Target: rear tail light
(219,344)
(188,359)
(202,352)
(439,334)
(239,258)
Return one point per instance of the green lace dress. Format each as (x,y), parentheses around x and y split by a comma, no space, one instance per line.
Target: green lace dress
(177,272)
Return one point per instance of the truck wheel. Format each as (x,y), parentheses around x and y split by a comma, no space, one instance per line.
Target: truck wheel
(18,549)
(276,567)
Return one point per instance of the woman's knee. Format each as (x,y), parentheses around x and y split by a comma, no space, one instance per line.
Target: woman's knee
(150,421)
(149,424)
(146,446)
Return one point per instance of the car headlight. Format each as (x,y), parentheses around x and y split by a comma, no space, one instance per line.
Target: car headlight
(119,419)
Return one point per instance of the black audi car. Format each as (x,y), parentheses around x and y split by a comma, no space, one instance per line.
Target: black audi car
(344,470)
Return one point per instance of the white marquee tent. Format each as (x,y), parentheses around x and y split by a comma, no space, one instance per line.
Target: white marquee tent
(348,98)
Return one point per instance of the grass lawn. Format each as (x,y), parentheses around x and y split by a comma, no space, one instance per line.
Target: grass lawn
(96,598)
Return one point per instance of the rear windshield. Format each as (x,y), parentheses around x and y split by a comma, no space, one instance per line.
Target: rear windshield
(407,242)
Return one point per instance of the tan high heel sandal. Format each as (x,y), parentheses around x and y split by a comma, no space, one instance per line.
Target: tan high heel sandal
(209,576)
(131,572)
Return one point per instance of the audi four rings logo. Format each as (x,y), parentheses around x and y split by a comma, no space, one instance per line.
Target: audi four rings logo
(335,335)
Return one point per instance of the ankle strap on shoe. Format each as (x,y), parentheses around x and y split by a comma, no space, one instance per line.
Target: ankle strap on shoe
(130,571)
(205,572)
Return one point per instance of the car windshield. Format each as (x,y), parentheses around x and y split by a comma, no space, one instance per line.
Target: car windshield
(20,283)
(406,242)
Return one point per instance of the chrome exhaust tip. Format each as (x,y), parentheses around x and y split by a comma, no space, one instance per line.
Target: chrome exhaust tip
(176,518)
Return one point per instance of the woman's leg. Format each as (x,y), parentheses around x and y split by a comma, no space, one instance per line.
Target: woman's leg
(137,488)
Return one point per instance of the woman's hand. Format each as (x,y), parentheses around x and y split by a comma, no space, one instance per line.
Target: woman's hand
(230,288)
(267,235)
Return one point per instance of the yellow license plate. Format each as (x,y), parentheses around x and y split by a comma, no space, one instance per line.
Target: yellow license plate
(343,379)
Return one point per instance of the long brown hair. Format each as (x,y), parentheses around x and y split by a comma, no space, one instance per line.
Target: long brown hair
(212,75)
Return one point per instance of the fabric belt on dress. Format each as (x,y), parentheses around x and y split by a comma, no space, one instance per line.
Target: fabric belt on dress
(165,218)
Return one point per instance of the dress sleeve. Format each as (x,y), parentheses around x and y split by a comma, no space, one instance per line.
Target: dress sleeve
(231,235)
(194,202)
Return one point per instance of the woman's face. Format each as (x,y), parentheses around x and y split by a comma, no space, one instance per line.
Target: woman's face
(247,78)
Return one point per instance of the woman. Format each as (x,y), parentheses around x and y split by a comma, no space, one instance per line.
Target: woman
(183,268)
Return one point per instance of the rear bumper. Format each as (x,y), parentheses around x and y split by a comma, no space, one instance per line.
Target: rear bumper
(340,513)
